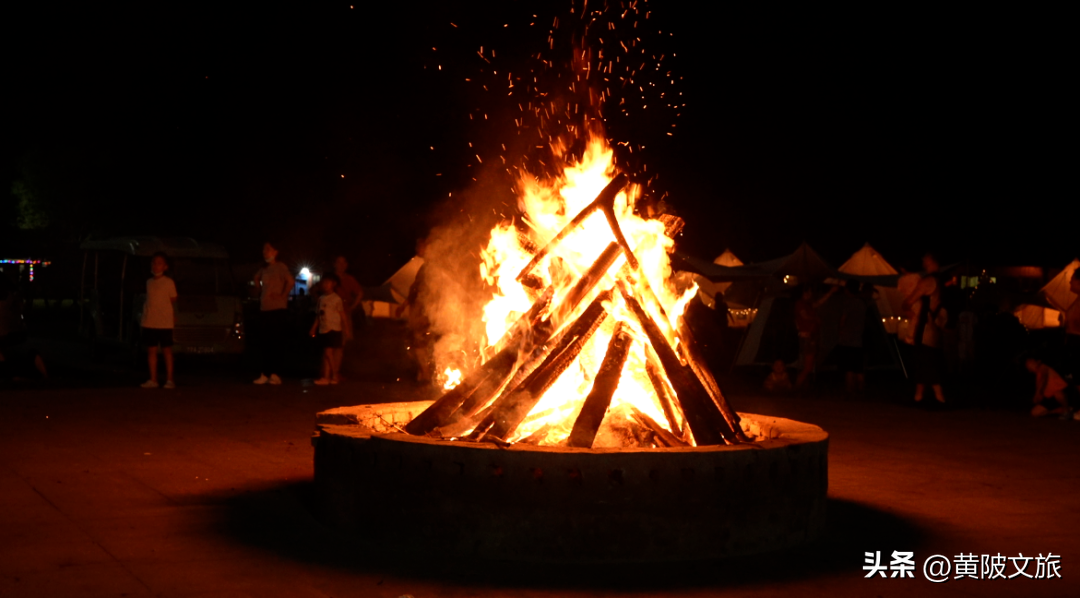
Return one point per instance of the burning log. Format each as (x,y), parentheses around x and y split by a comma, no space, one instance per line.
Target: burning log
(587,283)
(693,357)
(666,438)
(439,412)
(459,427)
(482,383)
(529,321)
(485,392)
(607,196)
(657,379)
(688,347)
(514,405)
(604,385)
(703,416)
(673,225)
(533,282)
(541,331)
(537,436)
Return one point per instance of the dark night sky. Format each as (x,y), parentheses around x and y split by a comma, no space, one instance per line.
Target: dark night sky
(908,129)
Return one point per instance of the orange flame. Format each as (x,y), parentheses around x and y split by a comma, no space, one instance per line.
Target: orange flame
(549,205)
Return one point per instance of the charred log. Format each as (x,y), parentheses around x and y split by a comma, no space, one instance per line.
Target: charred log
(439,412)
(538,436)
(514,405)
(704,418)
(692,354)
(586,283)
(673,225)
(526,325)
(606,196)
(657,379)
(487,390)
(604,385)
(665,437)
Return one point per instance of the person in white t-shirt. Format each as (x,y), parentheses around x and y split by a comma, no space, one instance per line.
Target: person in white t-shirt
(329,327)
(158,320)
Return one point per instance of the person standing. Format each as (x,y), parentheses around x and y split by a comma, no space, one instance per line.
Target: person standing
(159,320)
(275,282)
(350,291)
(850,355)
(1050,388)
(808,324)
(1072,330)
(328,329)
(926,317)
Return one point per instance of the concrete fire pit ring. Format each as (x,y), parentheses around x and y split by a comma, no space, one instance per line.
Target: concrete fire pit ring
(550,504)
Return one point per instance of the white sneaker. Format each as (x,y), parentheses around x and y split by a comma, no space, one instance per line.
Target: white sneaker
(149,384)
(274,379)
(262,379)
(170,384)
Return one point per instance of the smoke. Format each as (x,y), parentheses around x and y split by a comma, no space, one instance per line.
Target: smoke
(453,293)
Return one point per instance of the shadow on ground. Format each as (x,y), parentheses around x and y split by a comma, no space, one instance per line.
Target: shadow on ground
(279,519)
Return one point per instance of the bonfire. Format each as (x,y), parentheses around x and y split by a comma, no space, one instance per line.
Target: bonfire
(585,341)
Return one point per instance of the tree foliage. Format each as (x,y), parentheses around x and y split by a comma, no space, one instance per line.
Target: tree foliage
(30,211)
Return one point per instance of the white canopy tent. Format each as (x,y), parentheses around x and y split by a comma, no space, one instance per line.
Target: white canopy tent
(1037,317)
(772,333)
(1057,291)
(709,289)
(385,299)
(868,262)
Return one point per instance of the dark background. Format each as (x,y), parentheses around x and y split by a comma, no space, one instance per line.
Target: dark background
(911,129)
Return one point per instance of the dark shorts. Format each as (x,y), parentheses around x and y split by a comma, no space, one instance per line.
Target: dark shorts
(1050,403)
(152,337)
(330,340)
(849,359)
(927,365)
(808,348)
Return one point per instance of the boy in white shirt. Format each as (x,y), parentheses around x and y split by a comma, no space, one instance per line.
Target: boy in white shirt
(329,325)
(159,319)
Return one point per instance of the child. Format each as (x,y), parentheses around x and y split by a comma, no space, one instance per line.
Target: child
(778,380)
(159,319)
(1050,388)
(329,326)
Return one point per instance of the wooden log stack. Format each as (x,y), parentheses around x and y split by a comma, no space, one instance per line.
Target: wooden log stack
(494,399)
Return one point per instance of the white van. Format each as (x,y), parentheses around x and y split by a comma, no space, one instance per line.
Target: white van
(209,311)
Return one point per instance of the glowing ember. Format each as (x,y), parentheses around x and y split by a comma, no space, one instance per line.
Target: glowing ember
(453,378)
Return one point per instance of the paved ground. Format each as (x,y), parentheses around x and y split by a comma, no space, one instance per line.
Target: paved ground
(111,490)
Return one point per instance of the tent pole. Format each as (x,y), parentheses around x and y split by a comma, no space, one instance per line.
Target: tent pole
(120,324)
(900,358)
(82,291)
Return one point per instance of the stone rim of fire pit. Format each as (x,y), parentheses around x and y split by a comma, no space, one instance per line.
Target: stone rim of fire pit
(534,503)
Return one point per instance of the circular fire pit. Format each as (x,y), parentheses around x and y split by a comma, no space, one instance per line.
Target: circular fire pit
(533,503)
